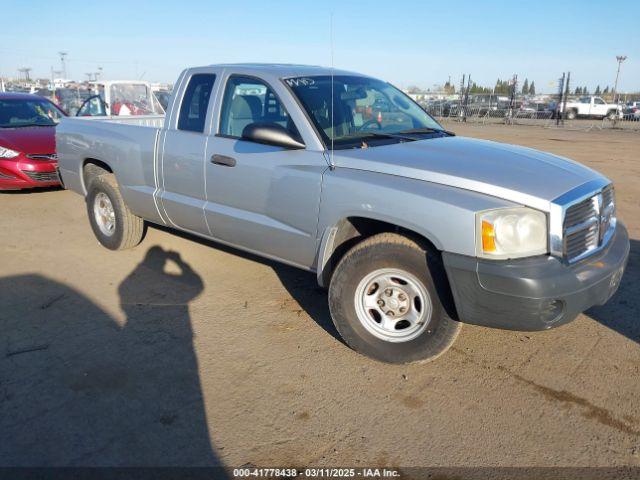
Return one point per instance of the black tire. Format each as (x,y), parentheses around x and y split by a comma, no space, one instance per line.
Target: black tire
(390,250)
(571,115)
(611,115)
(129,228)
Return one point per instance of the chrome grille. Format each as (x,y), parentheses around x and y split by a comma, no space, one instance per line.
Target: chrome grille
(42,176)
(588,223)
(43,156)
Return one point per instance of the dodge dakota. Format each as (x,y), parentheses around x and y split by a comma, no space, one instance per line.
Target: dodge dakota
(412,229)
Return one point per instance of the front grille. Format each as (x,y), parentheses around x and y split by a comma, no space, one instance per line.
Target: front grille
(42,176)
(43,156)
(587,223)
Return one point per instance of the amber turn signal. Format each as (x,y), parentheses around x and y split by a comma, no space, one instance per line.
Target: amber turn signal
(488,237)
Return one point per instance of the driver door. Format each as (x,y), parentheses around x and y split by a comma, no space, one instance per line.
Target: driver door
(599,107)
(261,197)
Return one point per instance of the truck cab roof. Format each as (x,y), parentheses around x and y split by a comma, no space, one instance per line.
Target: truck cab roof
(280,70)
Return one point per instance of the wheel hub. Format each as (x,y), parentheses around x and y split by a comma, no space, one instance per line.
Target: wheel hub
(394,301)
(104,214)
(393,305)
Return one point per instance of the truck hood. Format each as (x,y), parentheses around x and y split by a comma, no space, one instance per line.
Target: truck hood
(29,140)
(518,174)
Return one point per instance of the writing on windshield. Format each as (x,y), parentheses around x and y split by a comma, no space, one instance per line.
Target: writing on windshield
(348,109)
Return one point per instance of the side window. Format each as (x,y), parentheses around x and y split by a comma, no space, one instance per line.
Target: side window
(598,101)
(248,100)
(193,109)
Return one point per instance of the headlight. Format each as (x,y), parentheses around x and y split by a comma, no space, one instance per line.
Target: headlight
(6,153)
(511,233)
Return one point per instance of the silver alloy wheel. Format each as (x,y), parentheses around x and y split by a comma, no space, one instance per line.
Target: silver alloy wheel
(393,305)
(104,214)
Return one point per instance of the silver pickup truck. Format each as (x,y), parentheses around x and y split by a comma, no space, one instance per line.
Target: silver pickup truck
(412,229)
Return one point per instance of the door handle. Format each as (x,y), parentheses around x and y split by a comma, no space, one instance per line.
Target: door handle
(223,160)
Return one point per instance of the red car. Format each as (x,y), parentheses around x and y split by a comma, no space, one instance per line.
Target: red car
(27,141)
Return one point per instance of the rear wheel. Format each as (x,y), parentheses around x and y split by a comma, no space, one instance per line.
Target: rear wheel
(112,222)
(386,300)
(571,115)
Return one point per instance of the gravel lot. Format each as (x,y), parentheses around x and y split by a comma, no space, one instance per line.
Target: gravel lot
(180,352)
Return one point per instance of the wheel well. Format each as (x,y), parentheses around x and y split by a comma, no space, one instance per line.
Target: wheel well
(92,168)
(353,230)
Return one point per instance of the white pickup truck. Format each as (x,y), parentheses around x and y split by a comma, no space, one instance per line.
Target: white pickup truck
(593,107)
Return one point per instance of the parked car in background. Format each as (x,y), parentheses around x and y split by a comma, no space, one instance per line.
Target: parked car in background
(120,97)
(437,108)
(27,141)
(486,103)
(591,107)
(632,111)
(412,229)
(535,110)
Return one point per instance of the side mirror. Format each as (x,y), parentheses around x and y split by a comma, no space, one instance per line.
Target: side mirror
(271,134)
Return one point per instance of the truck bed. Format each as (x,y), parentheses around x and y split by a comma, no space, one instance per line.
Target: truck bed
(127,143)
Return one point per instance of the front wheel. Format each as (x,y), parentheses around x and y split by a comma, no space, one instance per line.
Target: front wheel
(612,115)
(113,224)
(386,300)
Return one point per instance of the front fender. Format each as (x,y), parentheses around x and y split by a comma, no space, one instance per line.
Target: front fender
(443,215)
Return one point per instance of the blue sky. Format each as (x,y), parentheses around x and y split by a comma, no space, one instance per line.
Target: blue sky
(405,42)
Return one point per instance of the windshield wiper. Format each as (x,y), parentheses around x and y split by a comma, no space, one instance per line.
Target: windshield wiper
(366,134)
(427,130)
(362,137)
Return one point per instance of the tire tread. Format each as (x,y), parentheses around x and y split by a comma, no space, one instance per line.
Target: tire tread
(132,226)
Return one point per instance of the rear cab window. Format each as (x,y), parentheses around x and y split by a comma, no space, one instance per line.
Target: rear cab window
(193,110)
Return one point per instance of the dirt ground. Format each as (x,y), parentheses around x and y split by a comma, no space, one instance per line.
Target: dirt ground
(180,352)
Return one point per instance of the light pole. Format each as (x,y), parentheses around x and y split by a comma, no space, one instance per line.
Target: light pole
(620,59)
(63,64)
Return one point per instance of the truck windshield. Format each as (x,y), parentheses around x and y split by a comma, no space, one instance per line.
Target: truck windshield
(16,113)
(364,109)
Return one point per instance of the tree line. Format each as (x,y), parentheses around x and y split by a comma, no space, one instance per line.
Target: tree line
(585,91)
(502,87)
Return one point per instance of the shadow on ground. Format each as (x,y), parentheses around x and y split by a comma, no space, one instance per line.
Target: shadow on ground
(301,285)
(622,312)
(77,388)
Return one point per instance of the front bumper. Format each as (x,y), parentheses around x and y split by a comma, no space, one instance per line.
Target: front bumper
(535,293)
(23,172)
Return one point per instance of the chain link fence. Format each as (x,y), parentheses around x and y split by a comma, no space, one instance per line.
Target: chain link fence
(497,109)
